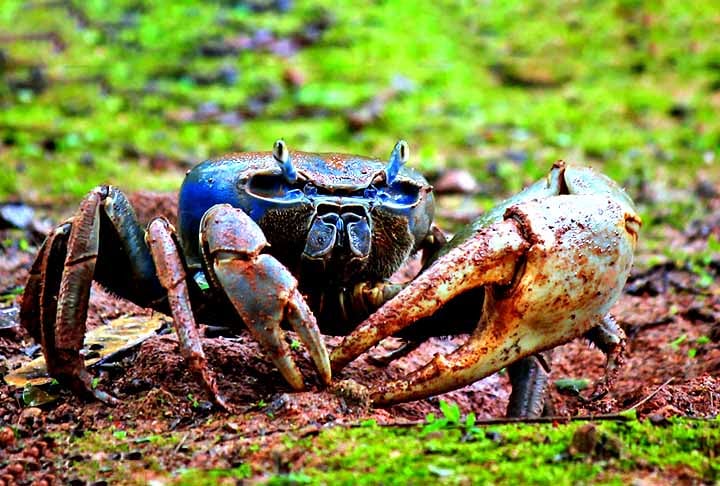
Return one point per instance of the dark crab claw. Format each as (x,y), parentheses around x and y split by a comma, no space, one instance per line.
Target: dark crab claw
(551,268)
(398,157)
(282,155)
(262,290)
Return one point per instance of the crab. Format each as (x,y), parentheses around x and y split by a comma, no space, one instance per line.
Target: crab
(309,241)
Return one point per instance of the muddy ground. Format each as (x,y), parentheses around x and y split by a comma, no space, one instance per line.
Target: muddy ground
(671,316)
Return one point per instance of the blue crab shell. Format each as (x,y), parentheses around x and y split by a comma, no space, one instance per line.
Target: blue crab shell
(339,218)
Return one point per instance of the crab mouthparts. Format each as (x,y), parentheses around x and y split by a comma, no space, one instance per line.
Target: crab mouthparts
(342,234)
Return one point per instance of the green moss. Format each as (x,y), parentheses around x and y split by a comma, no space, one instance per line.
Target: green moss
(212,477)
(108,454)
(508,454)
(451,449)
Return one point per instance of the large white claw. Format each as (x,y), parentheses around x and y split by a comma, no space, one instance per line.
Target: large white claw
(570,256)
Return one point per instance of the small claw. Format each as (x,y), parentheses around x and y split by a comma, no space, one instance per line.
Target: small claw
(286,365)
(198,365)
(472,361)
(262,290)
(263,319)
(302,320)
(267,333)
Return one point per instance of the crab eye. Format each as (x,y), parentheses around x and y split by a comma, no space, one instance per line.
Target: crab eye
(370,193)
(398,157)
(310,189)
(403,150)
(282,156)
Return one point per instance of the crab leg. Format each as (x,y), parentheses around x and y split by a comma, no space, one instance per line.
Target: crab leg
(31,301)
(64,296)
(529,380)
(261,289)
(55,304)
(163,245)
(611,340)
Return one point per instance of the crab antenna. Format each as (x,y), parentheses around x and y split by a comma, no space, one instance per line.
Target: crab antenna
(282,155)
(398,157)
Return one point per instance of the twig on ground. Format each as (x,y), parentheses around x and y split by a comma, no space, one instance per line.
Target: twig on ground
(180,444)
(649,397)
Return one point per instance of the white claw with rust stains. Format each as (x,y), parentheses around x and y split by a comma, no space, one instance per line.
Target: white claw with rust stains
(552,259)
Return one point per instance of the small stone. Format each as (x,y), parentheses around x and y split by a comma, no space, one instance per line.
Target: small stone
(707,190)
(133,456)
(584,439)
(294,77)
(33,452)
(278,403)
(356,394)
(29,414)
(657,419)
(666,411)
(517,156)
(680,111)
(76,458)
(45,444)
(7,437)
(494,436)
(16,216)
(455,181)
(16,469)
(78,430)
(63,413)
(203,408)
(560,457)
(137,385)
(228,75)
(207,110)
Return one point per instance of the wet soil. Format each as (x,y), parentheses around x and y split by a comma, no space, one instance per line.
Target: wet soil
(673,369)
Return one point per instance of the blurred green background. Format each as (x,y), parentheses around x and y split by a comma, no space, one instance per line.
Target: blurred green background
(134,93)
